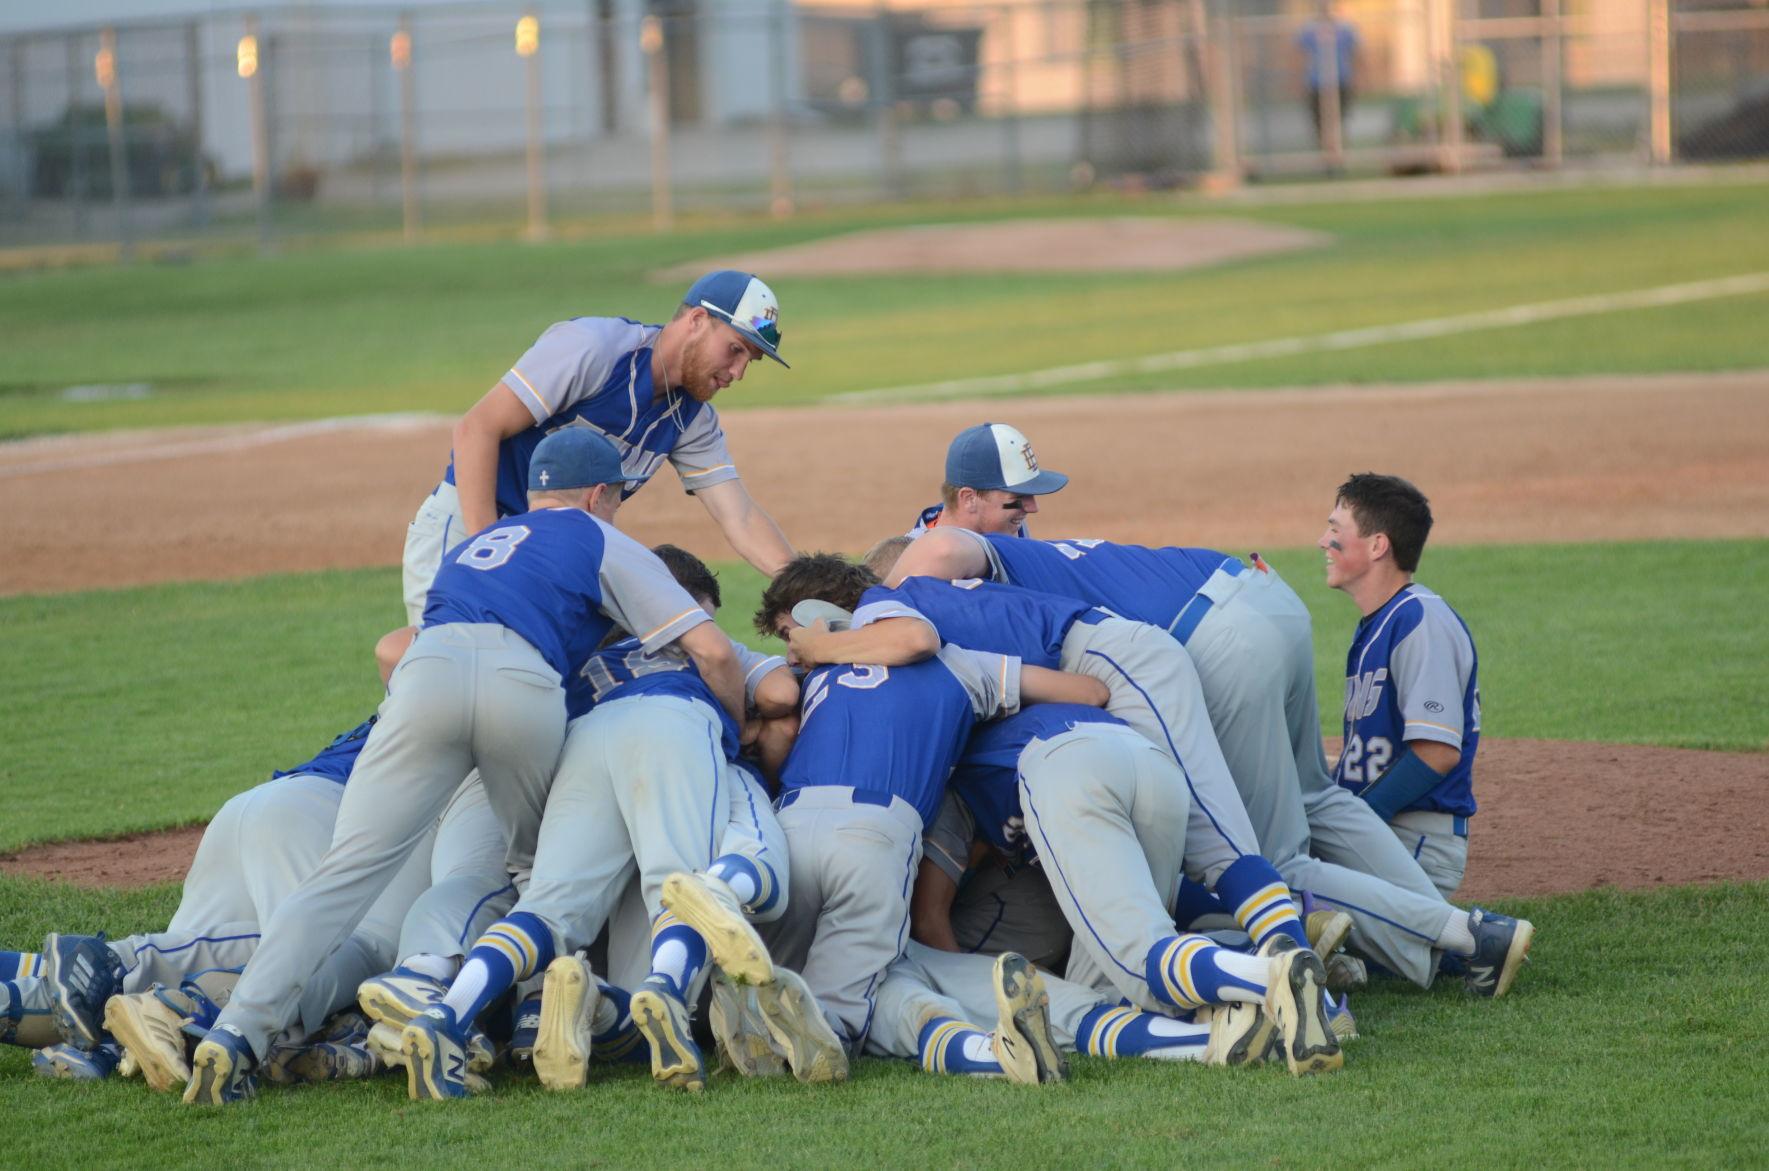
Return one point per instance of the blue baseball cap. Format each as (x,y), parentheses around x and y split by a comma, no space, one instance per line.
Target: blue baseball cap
(743,302)
(574,457)
(994,455)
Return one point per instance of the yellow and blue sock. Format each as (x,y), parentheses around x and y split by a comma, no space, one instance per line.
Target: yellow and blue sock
(951,1046)
(1189,971)
(1123,1031)
(512,950)
(15,965)
(678,954)
(613,1036)
(753,881)
(1260,900)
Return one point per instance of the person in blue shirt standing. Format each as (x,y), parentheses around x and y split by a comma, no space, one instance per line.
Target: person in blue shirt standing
(1329,51)
(647,388)
(1412,701)
(510,614)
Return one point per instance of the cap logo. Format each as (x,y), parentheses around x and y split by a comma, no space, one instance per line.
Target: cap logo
(545,476)
(1026,453)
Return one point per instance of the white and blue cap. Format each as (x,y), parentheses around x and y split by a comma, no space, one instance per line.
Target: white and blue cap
(574,457)
(743,302)
(994,455)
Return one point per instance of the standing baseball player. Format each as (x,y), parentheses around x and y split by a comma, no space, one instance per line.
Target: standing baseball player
(992,484)
(647,388)
(520,606)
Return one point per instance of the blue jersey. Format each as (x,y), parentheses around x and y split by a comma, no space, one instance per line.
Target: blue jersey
(626,668)
(337,758)
(596,372)
(1140,583)
(1412,674)
(561,579)
(896,731)
(987,779)
(982,615)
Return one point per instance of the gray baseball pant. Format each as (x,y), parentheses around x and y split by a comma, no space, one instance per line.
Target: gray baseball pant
(1156,690)
(464,696)
(854,856)
(470,885)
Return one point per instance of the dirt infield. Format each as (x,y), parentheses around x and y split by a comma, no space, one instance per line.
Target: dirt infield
(1596,459)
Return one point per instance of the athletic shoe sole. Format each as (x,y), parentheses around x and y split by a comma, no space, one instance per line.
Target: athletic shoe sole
(1022,1008)
(796,1022)
(211,1070)
(675,1059)
(1295,1002)
(1240,1034)
(425,1078)
(734,944)
(1335,929)
(160,1060)
(1514,956)
(741,1033)
(385,1003)
(561,1055)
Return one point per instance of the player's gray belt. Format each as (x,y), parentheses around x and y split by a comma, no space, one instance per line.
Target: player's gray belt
(1192,613)
(1430,821)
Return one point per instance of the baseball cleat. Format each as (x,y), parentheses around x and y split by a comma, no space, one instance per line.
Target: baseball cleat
(1327,931)
(1501,945)
(1340,1020)
(150,1028)
(520,1052)
(399,996)
(1241,1034)
(742,1035)
(796,1022)
(333,1061)
(1022,1039)
(1345,973)
(561,1045)
(1295,999)
(65,1061)
(435,1056)
(707,905)
(663,1020)
(81,973)
(221,1070)
(382,1041)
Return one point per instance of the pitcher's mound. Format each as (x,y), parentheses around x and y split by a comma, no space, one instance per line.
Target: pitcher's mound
(1069,245)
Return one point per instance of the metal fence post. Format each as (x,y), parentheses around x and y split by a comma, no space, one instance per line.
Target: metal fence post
(193,56)
(1010,106)
(400,50)
(76,140)
(16,47)
(780,200)
(1553,81)
(663,212)
(105,66)
(1658,73)
(1224,103)
(1326,47)
(1452,71)
(250,68)
(890,135)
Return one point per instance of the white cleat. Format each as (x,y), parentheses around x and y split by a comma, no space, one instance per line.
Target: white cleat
(569,996)
(152,1034)
(742,1035)
(1022,1040)
(796,1022)
(1295,999)
(708,905)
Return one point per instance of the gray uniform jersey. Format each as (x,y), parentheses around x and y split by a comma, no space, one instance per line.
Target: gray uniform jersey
(854,863)
(998,907)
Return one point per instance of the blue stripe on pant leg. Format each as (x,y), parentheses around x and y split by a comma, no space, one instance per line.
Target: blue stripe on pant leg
(1046,854)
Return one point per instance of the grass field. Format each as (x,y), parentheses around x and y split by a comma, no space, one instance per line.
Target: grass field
(1635,1038)
(322,333)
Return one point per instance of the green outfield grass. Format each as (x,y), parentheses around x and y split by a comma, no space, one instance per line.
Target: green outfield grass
(1634,1039)
(321,333)
(134,709)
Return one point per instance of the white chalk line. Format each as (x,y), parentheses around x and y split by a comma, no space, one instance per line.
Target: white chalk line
(1345,339)
(218,444)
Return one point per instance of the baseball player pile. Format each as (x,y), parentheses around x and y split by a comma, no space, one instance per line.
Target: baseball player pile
(586,827)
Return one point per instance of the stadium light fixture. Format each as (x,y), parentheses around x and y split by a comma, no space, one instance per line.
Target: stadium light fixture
(247,56)
(528,36)
(400,49)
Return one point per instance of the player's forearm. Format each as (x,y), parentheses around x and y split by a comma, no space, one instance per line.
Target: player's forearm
(777,694)
(930,908)
(756,538)
(1042,685)
(893,642)
(476,472)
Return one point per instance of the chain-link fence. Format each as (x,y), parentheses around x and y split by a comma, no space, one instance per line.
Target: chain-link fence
(259,125)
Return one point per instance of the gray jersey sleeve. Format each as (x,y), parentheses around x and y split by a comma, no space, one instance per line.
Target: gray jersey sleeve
(571,361)
(1429,669)
(639,593)
(993,681)
(946,843)
(997,571)
(755,666)
(889,608)
(700,456)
